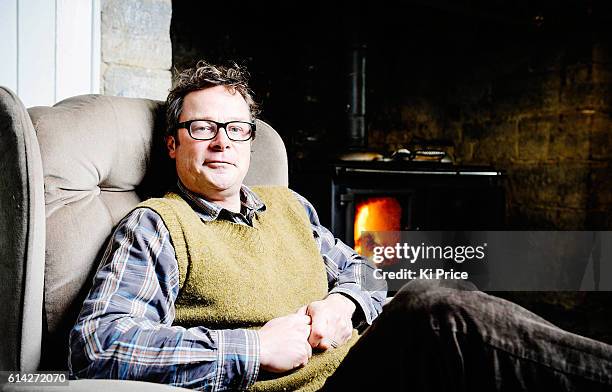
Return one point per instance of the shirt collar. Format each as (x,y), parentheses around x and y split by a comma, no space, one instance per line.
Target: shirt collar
(209,211)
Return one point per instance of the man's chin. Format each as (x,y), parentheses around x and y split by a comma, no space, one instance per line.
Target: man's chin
(223,184)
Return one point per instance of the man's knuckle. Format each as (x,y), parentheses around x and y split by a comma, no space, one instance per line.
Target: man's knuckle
(316,333)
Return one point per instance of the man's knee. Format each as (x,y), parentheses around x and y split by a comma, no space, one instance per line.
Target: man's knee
(418,285)
(427,290)
(435,303)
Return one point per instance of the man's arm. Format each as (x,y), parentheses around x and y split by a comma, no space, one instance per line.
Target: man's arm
(125,327)
(346,271)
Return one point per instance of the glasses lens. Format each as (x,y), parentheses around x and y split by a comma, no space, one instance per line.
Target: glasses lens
(203,130)
(239,130)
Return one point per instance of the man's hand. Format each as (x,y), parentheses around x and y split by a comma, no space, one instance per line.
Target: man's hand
(331,321)
(284,343)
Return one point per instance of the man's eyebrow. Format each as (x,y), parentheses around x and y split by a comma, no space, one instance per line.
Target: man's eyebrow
(212,118)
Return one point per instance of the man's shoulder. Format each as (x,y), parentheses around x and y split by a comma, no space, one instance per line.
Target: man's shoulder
(170,202)
(290,197)
(269,189)
(172,211)
(140,217)
(271,194)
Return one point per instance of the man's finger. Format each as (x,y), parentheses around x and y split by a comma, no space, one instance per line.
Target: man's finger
(318,330)
(325,344)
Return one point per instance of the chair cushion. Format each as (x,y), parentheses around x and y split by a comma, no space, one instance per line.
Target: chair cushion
(269,158)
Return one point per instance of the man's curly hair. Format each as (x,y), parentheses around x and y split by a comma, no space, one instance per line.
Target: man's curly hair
(204,75)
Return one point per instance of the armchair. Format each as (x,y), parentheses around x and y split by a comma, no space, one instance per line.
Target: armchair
(69,174)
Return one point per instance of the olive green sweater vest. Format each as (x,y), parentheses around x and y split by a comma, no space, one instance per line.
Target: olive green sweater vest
(237,276)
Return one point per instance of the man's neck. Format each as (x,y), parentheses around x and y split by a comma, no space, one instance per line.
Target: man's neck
(227,199)
(232,204)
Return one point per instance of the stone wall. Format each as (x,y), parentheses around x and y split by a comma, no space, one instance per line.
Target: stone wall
(549,126)
(136,48)
(539,109)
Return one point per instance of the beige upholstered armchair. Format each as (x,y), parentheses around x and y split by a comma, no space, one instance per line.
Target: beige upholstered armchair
(69,173)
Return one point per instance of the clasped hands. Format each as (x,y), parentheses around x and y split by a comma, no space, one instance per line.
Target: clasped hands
(287,342)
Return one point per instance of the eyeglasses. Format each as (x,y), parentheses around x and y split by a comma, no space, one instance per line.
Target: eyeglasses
(238,131)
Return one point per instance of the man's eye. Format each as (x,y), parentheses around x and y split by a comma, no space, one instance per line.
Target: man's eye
(202,128)
(234,129)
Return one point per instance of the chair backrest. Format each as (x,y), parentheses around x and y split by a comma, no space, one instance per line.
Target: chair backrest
(101,156)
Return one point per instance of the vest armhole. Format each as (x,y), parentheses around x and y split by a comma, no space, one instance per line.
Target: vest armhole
(167,213)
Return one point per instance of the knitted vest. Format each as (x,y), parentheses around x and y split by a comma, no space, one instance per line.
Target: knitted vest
(237,276)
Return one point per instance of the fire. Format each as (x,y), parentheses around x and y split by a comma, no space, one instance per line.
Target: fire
(375,214)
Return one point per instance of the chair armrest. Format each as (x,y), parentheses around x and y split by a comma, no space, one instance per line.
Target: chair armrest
(22,237)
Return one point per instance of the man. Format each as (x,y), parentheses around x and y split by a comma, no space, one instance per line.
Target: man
(144,319)
(218,286)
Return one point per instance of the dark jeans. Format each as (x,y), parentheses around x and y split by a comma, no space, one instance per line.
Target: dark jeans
(447,336)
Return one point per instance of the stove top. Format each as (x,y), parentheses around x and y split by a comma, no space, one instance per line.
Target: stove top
(412,167)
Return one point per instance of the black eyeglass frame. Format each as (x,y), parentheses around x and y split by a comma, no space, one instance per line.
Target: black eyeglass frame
(187,125)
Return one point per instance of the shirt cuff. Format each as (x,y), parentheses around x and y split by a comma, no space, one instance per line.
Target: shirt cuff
(361,305)
(237,359)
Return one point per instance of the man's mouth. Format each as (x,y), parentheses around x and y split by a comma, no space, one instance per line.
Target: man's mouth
(215,162)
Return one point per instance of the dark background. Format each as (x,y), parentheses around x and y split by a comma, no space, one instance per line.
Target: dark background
(523,86)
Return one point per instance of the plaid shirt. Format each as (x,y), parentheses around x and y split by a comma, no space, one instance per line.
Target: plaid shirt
(125,331)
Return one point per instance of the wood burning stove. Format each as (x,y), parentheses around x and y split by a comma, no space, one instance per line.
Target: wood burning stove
(403,195)
(410,190)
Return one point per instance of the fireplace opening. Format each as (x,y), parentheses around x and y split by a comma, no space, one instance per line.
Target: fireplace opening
(379,220)
(375,214)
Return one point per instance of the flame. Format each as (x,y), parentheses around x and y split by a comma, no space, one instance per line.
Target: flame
(375,214)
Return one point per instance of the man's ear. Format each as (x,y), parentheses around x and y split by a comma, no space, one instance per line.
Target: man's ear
(171,145)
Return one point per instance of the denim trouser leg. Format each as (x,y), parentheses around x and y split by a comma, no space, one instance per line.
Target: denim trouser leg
(432,337)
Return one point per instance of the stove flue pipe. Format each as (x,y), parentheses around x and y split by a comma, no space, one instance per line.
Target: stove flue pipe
(357,97)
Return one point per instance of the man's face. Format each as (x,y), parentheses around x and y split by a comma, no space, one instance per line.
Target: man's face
(212,168)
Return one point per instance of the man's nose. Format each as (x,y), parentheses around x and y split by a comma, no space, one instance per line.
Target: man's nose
(220,141)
